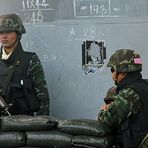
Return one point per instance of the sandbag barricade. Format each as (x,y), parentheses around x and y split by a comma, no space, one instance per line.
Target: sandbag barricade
(12,139)
(50,138)
(88,133)
(25,123)
(21,131)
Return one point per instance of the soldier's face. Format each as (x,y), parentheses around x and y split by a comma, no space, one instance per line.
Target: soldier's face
(8,39)
(118,77)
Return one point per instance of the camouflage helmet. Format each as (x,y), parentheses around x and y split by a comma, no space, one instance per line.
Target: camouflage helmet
(110,94)
(11,22)
(125,60)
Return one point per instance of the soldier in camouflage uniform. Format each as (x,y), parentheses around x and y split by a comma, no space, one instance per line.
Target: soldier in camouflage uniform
(128,112)
(27,92)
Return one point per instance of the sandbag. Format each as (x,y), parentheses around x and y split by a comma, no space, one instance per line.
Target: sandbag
(29,147)
(50,139)
(39,147)
(29,123)
(12,139)
(84,127)
(92,142)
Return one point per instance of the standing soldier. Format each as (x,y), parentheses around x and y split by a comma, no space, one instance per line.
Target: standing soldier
(128,112)
(26,91)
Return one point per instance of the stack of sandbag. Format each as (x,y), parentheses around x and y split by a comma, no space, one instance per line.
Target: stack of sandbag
(12,139)
(38,131)
(49,132)
(87,133)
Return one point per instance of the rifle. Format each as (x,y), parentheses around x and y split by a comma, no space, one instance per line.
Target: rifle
(4,106)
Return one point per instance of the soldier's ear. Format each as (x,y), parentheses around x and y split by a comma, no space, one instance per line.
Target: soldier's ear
(121,76)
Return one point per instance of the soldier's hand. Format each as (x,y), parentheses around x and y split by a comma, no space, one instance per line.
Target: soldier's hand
(105,107)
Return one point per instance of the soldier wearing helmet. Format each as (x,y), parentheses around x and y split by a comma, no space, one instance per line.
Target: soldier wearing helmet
(27,90)
(128,112)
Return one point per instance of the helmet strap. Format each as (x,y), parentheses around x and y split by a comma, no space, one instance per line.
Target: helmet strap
(19,36)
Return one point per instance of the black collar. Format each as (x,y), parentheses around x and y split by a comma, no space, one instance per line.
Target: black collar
(129,79)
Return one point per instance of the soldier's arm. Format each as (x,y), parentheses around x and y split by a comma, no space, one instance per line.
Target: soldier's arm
(39,84)
(126,103)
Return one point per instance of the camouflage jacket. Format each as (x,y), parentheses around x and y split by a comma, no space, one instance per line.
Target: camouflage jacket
(28,73)
(128,112)
(121,108)
(126,103)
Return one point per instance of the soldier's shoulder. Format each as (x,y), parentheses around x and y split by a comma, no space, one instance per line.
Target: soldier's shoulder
(128,90)
(29,53)
(145,81)
(129,94)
